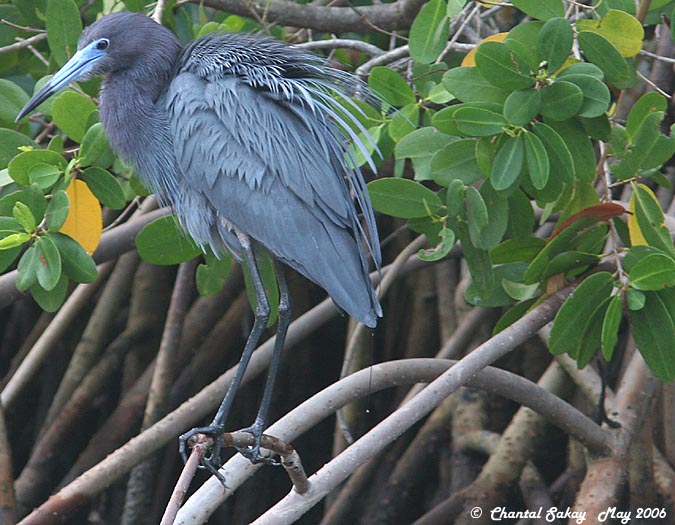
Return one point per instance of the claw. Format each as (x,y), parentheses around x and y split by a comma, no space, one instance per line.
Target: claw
(212,433)
(252,453)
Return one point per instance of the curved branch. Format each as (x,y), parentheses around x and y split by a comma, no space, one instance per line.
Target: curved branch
(367,19)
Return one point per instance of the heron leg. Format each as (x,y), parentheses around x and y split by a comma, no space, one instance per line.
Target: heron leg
(262,313)
(284,320)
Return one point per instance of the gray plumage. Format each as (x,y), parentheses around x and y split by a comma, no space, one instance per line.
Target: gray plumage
(245,132)
(245,139)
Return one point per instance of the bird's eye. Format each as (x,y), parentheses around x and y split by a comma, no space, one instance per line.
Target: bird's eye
(102,44)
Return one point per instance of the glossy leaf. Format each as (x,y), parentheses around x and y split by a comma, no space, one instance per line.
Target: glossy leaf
(429,32)
(49,269)
(403,198)
(566,336)
(468,85)
(391,86)
(508,163)
(561,165)
(105,187)
(12,99)
(541,9)
(653,272)
(447,241)
(76,262)
(163,242)
(51,300)
(522,106)
(64,26)
(479,122)
(654,334)
(554,43)
(596,95)
(21,165)
(610,326)
(71,112)
(456,161)
(10,142)
(648,103)
(649,220)
(603,54)
(503,68)
(211,276)
(95,150)
(561,100)
(536,159)
(623,30)
(420,146)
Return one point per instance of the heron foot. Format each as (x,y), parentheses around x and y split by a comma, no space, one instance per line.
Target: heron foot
(252,453)
(210,461)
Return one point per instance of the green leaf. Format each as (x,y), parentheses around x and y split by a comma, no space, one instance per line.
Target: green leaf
(429,32)
(554,43)
(651,220)
(404,122)
(403,198)
(653,272)
(44,176)
(502,67)
(21,212)
(512,315)
(561,161)
(561,100)
(508,164)
(455,7)
(623,30)
(105,186)
(13,240)
(164,243)
(95,150)
(541,9)
(49,269)
(28,267)
(635,299)
(20,166)
(456,161)
(64,26)
(477,214)
(522,39)
(610,326)
(496,296)
(523,250)
(391,86)
(454,198)
(483,281)
(447,241)
(647,104)
(577,142)
(468,85)
(12,99)
(77,263)
(10,142)
(566,336)
(567,261)
(420,146)
(519,291)
(596,95)
(521,216)
(498,214)
(71,112)
(51,300)
(479,122)
(523,106)
(598,50)
(57,210)
(654,334)
(212,275)
(537,160)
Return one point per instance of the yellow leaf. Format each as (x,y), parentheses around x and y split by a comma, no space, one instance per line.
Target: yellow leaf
(469,59)
(490,3)
(624,31)
(635,234)
(84,222)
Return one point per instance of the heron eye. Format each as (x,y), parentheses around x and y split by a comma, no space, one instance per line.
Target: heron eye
(102,44)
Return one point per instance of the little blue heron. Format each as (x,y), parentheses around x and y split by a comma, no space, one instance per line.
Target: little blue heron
(244,138)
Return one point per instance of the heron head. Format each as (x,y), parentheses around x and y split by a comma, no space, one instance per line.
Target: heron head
(115,42)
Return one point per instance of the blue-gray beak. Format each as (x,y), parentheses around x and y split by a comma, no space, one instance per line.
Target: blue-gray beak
(78,66)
